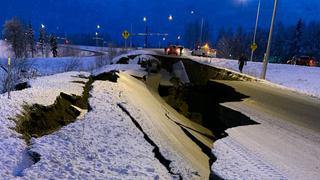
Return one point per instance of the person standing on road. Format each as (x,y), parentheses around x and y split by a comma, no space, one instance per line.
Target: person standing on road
(242,61)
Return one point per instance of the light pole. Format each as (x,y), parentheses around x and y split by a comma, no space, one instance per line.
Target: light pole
(255,31)
(42,38)
(170,19)
(201,31)
(146,40)
(192,12)
(266,57)
(97,34)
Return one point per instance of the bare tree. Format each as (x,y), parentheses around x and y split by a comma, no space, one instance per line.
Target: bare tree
(225,43)
(14,31)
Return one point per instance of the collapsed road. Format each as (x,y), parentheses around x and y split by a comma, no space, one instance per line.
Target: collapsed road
(285,136)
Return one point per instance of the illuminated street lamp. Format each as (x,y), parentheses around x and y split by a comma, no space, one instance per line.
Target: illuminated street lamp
(43,26)
(97,35)
(266,57)
(170,17)
(201,28)
(146,36)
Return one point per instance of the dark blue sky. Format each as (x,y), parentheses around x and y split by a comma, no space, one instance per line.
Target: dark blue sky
(116,15)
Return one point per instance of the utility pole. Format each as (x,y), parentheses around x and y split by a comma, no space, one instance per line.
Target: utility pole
(255,31)
(266,57)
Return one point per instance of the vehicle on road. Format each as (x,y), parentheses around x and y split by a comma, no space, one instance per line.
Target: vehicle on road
(303,60)
(204,51)
(174,50)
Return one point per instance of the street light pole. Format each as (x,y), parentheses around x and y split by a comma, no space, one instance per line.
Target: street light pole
(97,39)
(146,40)
(255,30)
(266,57)
(201,31)
(170,19)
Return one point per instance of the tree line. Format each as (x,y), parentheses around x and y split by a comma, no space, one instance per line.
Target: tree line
(288,40)
(21,37)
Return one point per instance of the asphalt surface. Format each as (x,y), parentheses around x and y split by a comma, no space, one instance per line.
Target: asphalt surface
(299,109)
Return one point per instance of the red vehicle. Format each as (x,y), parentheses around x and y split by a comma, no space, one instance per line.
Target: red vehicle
(303,60)
(174,50)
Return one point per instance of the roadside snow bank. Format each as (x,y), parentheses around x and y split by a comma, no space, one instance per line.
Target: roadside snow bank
(303,79)
(44,91)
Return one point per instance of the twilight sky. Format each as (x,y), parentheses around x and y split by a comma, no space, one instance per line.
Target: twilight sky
(114,16)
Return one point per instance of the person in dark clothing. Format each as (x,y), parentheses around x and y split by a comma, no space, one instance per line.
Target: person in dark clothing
(242,61)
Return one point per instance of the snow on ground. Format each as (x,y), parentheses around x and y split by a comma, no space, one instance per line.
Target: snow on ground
(303,79)
(4,49)
(271,150)
(133,69)
(157,119)
(49,66)
(44,91)
(143,53)
(105,144)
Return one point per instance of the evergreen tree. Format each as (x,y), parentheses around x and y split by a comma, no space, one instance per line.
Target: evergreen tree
(279,45)
(311,39)
(53,45)
(30,40)
(296,43)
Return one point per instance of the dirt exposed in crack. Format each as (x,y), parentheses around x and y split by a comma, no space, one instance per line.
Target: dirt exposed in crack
(202,104)
(37,120)
(165,162)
